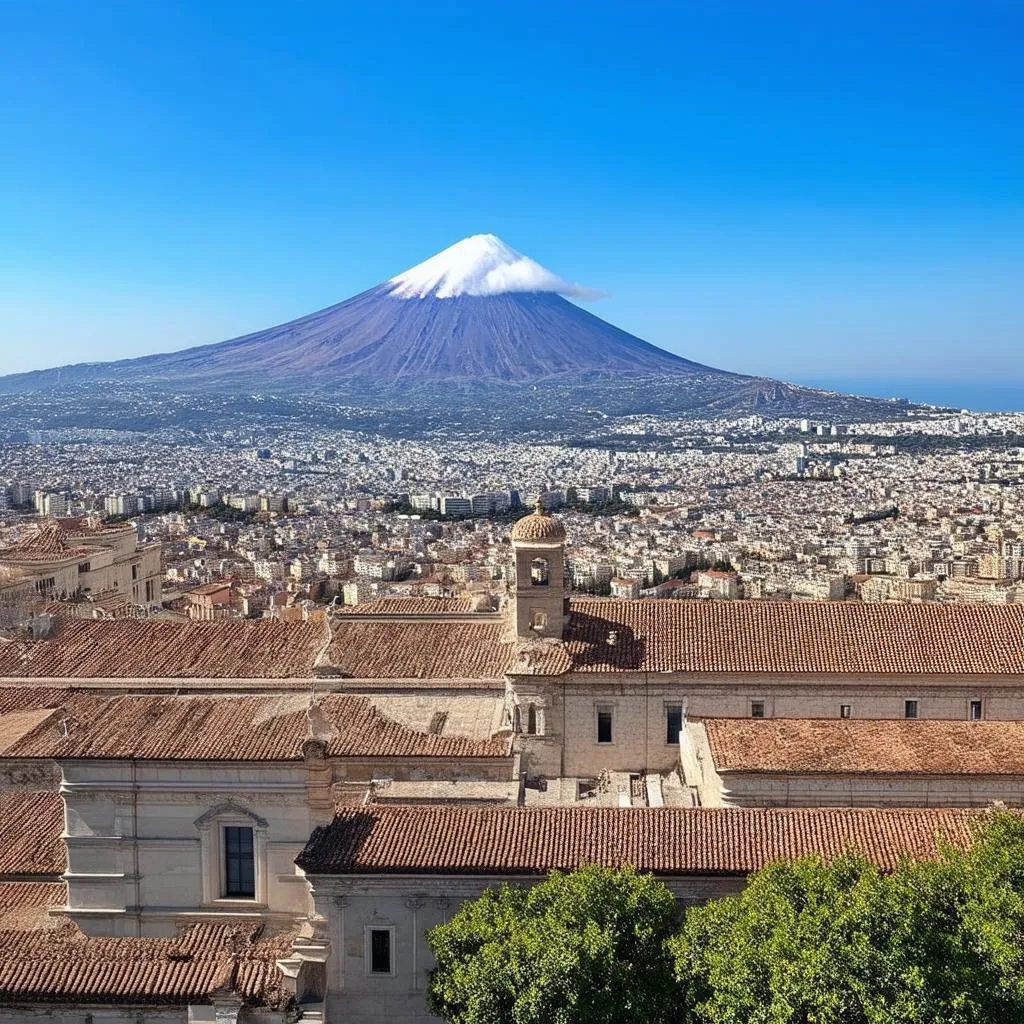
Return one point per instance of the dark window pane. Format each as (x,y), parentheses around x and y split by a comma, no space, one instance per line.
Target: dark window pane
(910,709)
(239,863)
(757,709)
(604,727)
(844,710)
(380,951)
(975,710)
(674,723)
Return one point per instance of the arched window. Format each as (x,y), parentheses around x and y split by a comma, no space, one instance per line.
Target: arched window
(517,720)
(539,572)
(531,720)
(233,854)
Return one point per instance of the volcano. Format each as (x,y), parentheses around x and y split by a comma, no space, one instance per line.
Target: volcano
(479,310)
(479,326)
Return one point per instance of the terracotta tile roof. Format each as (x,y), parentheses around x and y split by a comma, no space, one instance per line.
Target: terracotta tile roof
(764,637)
(59,965)
(16,724)
(409,606)
(234,728)
(795,637)
(50,539)
(524,840)
(702,637)
(28,698)
(25,905)
(31,826)
(48,544)
(866,746)
(147,648)
(409,650)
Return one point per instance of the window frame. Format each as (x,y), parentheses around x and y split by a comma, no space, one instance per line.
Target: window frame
(845,711)
(670,710)
(226,854)
(388,929)
(762,704)
(599,711)
(211,826)
(980,704)
(907,702)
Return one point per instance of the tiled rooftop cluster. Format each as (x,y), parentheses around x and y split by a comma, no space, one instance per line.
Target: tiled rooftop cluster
(603,635)
(858,746)
(224,728)
(61,965)
(522,840)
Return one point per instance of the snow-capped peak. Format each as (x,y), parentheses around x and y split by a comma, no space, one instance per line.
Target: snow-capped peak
(480,265)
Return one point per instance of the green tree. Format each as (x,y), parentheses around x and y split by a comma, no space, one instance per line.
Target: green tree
(935,942)
(588,947)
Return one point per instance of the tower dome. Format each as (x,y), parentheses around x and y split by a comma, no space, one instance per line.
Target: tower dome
(538,527)
(541,599)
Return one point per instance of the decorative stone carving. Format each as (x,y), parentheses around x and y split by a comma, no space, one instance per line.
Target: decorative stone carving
(229,807)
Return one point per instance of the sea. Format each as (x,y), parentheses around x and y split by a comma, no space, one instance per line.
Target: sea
(974,395)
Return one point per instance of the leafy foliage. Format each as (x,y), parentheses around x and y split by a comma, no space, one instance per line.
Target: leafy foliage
(581,948)
(805,942)
(840,943)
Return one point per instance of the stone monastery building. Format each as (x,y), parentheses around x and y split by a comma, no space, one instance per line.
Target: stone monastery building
(258,821)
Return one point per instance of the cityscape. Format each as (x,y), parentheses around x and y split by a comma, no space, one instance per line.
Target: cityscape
(609,620)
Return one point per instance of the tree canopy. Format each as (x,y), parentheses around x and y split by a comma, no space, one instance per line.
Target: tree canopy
(589,946)
(934,942)
(806,942)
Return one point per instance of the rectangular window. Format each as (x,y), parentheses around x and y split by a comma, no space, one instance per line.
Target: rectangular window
(910,709)
(135,572)
(975,712)
(844,710)
(673,722)
(757,709)
(380,951)
(239,863)
(604,725)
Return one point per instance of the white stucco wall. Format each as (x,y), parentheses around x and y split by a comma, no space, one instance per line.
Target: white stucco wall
(135,850)
(412,905)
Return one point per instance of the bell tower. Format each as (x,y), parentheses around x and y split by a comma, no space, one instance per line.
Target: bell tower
(541,597)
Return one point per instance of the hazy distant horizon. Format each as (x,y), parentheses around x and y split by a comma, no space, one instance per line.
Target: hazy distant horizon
(975,395)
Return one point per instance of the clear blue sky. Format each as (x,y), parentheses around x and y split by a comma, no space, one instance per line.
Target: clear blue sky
(818,191)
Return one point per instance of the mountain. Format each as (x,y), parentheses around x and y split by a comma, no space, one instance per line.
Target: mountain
(479,326)
(477,310)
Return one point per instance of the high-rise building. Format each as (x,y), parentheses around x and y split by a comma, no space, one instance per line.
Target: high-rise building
(455,506)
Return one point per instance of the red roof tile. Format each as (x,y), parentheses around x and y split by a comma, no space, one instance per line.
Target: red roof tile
(409,606)
(522,840)
(860,746)
(31,826)
(25,905)
(386,649)
(795,637)
(148,648)
(764,637)
(58,965)
(233,728)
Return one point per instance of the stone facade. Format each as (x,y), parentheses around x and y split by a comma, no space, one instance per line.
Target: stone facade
(409,906)
(640,706)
